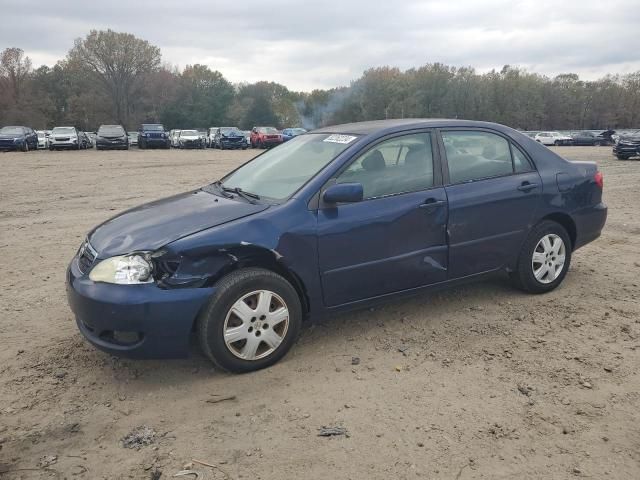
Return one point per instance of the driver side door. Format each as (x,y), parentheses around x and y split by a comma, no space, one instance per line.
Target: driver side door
(395,238)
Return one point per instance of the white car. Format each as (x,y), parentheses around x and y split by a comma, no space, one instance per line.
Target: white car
(65,138)
(211,133)
(173,138)
(553,138)
(190,139)
(43,139)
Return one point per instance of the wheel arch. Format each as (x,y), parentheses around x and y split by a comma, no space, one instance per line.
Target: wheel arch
(567,223)
(207,269)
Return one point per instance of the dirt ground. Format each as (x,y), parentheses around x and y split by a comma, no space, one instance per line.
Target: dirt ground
(477,382)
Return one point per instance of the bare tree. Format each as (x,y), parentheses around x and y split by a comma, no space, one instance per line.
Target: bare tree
(118,61)
(14,71)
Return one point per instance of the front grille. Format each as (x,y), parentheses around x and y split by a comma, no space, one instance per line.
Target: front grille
(86,256)
(61,139)
(7,143)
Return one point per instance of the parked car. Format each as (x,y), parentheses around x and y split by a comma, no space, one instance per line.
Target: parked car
(243,261)
(18,138)
(112,137)
(153,135)
(627,146)
(133,138)
(211,133)
(43,139)
(62,138)
(247,136)
(289,133)
(190,139)
(203,136)
(265,137)
(85,140)
(229,137)
(588,138)
(173,138)
(553,138)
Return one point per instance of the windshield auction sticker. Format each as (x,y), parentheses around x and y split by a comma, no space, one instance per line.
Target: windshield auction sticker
(335,138)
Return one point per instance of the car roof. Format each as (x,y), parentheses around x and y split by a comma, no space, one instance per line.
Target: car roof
(390,126)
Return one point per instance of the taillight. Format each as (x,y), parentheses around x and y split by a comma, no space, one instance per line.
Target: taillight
(599,178)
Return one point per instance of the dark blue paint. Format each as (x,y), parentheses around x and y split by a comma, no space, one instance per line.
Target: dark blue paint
(337,256)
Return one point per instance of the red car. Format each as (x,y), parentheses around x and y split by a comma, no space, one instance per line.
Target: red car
(265,137)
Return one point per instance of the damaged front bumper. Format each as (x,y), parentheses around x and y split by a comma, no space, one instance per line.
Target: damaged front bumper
(137,321)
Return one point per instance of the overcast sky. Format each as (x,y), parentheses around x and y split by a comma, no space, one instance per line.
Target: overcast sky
(327,43)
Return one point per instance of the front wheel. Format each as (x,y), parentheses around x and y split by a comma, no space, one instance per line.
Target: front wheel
(251,322)
(544,259)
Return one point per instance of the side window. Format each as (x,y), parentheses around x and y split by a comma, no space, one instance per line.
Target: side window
(520,161)
(399,165)
(474,155)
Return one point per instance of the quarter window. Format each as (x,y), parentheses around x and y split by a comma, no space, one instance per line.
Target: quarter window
(400,165)
(475,155)
(520,161)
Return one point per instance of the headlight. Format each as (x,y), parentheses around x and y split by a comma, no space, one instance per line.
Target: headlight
(124,270)
(18,140)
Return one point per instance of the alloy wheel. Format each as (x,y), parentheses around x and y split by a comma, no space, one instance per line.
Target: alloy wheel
(256,325)
(548,258)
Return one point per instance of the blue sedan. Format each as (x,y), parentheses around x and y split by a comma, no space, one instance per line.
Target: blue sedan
(289,133)
(335,219)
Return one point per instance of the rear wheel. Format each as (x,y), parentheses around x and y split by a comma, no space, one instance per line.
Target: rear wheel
(544,259)
(557,143)
(251,322)
(622,157)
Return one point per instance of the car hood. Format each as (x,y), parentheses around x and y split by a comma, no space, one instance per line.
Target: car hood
(153,225)
(189,137)
(10,137)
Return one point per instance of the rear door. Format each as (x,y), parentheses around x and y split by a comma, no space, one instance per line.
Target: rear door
(493,192)
(393,240)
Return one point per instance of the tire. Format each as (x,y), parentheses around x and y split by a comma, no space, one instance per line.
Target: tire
(221,146)
(524,276)
(218,317)
(597,144)
(25,147)
(557,143)
(261,145)
(622,157)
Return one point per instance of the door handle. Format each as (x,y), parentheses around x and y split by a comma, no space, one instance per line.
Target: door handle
(526,186)
(432,203)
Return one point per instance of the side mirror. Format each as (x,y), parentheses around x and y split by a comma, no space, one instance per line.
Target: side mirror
(343,193)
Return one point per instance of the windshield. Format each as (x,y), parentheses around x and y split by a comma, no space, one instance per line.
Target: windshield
(111,130)
(230,131)
(63,130)
(11,130)
(190,133)
(268,130)
(280,172)
(153,128)
(298,131)
(41,135)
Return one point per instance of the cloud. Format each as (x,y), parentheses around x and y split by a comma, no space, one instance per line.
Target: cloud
(326,44)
